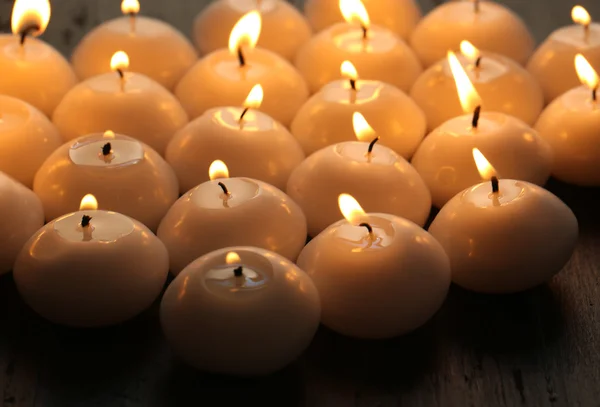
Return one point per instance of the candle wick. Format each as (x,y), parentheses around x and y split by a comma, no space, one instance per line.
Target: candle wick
(106,149)
(132,22)
(85,221)
(586,32)
(238,271)
(372,144)
(243,114)
(364,31)
(366,225)
(27,31)
(495,185)
(478,62)
(594,94)
(353,84)
(224,188)
(241,58)
(122,77)
(476,114)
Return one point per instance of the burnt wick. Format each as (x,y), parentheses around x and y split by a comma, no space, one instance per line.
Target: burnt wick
(240,56)
(27,31)
(372,144)
(366,225)
(495,185)
(476,115)
(106,149)
(224,188)
(85,221)
(238,271)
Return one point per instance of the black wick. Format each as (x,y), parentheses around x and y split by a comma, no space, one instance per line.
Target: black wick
(476,114)
(238,271)
(85,221)
(372,144)
(594,96)
(244,113)
(224,188)
(106,149)
(364,31)
(27,31)
(495,186)
(353,84)
(478,62)
(366,225)
(241,56)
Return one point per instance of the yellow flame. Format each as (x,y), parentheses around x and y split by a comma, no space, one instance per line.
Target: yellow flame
(483,165)
(119,61)
(587,75)
(348,70)
(350,208)
(109,134)
(354,11)
(469,98)
(469,50)
(232,258)
(217,170)
(362,129)
(245,32)
(130,6)
(254,98)
(580,16)
(31,16)
(88,202)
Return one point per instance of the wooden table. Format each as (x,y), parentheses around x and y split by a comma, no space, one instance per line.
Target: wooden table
(538,348)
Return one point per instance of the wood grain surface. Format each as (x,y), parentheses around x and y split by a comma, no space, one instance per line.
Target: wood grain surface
(538,348)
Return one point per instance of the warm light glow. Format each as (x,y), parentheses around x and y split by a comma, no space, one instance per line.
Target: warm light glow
(89,203)
(580,16)
(348,71)
(109,134)
(130,6)
(254,98)
(469,98)
(362,129)
(232,258)
(245,32)
(217,170)
(587,75)
(483,165)
(30,16)
(469,50)
(351,209)
(354,11)
(119,61)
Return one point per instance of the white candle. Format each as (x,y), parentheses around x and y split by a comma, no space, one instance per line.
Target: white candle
(571,125)
(30,69)
(506,237)
(91,268)
(22,216)
(157,49)
(227,212)
(248,299)
(378,275)
(125,174)
(128,103)
(254,144)
(325,119)
(28,138)
(373,173)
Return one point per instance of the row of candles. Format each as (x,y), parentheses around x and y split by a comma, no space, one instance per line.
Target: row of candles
(232,242)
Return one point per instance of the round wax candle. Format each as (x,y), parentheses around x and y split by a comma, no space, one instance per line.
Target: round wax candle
(28,138)
(100,274)
(380,284)
(22,215)
(487,24)
(260,309)
(157,49)
(126,175)
(284,28)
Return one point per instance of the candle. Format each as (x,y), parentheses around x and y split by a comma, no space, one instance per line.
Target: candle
(125,174)
(375,51)
(504,85)
(30,69)
(373,173)
(325,119)
(552,61)
(571,125)
(487,24)
(399,16)
(28,138)
(224,77)
(444,158)
(91,268)
(252,142)
(284,28)
(129,103)
(22,216)
(248,299)
(157,49)
(505,238)
(226,212)
(378,275)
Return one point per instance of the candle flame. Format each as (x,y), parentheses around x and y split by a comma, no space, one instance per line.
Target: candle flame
(581,16)
(254,98)
(232,258)
(348,71)
(119,61)
(362,129)
(217,170)
(469,50)
(354,11)
(351,209)
(130,7)
(245,32)
(587,75)
(88,202)
(486,170)
(109,134)
(30,16)
(469,98)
